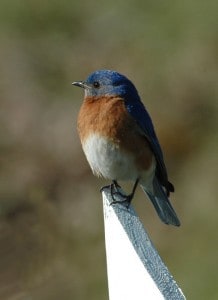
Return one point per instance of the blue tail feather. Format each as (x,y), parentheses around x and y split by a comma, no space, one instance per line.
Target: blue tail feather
(162,204)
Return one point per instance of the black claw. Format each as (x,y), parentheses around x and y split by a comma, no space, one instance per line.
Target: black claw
(104,187)
(126,200)
(113,186)
(114,190)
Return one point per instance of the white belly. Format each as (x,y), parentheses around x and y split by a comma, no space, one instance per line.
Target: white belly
(107,160)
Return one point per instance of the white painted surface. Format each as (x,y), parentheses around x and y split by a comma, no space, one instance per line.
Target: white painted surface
(135,270)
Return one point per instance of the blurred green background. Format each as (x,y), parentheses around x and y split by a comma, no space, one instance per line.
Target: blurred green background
(51,222)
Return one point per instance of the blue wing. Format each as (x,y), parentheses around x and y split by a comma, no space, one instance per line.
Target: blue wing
(137,110)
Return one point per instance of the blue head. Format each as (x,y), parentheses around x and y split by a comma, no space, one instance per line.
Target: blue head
(107,82)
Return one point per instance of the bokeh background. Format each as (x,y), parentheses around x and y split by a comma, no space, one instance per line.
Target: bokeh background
(51,221)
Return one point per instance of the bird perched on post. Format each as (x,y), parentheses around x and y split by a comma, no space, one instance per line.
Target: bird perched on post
(119,140)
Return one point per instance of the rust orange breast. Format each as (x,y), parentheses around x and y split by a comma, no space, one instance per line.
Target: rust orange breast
(108,117)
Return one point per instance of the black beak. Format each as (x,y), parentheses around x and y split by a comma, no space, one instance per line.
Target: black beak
(81,84)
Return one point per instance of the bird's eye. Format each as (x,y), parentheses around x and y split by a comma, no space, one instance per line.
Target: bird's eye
(96,84)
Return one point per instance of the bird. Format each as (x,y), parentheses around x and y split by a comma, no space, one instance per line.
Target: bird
(119,140)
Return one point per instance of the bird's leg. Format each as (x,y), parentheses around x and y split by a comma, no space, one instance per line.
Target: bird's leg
(126,198)
(115,187)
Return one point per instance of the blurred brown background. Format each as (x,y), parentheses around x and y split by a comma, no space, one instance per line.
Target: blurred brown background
(51,223)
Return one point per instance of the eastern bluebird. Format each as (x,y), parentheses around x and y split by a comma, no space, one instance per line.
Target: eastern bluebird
(119,140)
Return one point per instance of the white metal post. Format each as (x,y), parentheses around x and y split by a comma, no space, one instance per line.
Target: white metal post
(134,267)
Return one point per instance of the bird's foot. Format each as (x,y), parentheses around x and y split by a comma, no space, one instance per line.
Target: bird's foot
(113,187)
(115,191)
(126,199)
